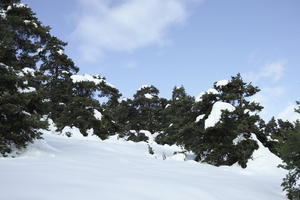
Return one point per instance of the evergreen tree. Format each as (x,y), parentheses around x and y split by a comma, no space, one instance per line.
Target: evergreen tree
(56,71)
(179,115)
(230,140)
(148,107)
(84,111)
(20,103)
(290,153)
(274,134)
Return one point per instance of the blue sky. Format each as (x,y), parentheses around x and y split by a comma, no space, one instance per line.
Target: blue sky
(184,42)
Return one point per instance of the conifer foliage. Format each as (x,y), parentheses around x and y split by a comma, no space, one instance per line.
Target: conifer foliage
(178,114)
(290,153)
(39,81)
(230,139)
(20,103)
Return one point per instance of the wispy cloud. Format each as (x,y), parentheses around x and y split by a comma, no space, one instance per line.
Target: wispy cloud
(125,25)
(130,65)
(268,79)
(289,113)
(272,71)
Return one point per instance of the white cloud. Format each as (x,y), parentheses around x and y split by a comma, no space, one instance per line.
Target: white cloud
(125,25)
(269,97)
(289,113)
(272,92)
(130,65)
(272,71)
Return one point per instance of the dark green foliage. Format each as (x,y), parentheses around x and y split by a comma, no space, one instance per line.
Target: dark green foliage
(57,70)
(148,109)
(125,116)
(290,153)
(138,137)
(80,110)
(150,150)
(230,140)
(178,114)
(274,134)
(20,102)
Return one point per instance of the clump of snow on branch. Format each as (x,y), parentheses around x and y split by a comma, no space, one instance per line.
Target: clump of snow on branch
(86,78)
(238,139)
(98,115)
(200,117)
(209,91)
(148,96)
(216,113)
(97,79)
(222,83)
(144,86)
(26,90)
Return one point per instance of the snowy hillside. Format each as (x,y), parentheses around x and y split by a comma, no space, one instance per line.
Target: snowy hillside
(60,168)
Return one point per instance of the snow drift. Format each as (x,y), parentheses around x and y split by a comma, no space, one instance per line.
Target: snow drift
(79,167)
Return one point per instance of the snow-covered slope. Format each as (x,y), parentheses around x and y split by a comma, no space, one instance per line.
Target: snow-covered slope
(77,168)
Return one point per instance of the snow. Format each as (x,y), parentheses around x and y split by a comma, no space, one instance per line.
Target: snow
(98,115)
(79,168)
(238,139)
(216,112)
(209,91)
(109,84)
(60,52)
(46,100)
(4,65)
(247,111)
(27,21)
(167,106)
(35,25)
(199,97)
(39,50)
(3,13)
(28,70)
(26,113)
(222,83)
(26,90)
(20,5)
(148,96)
(199,117)
(122,99)
(71,131)
(144,86)
(86,78)
(97,79)
(212,91)
(263,159)
(65,72)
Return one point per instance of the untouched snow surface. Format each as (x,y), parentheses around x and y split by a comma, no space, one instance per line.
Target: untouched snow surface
(60,168)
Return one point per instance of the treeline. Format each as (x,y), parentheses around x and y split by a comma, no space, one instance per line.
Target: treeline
(38,81)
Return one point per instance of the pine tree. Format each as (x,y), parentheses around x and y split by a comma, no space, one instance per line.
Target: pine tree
(56,71)
(20,102)
(290,153)
(230,140)
(178,114)
(148,106)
